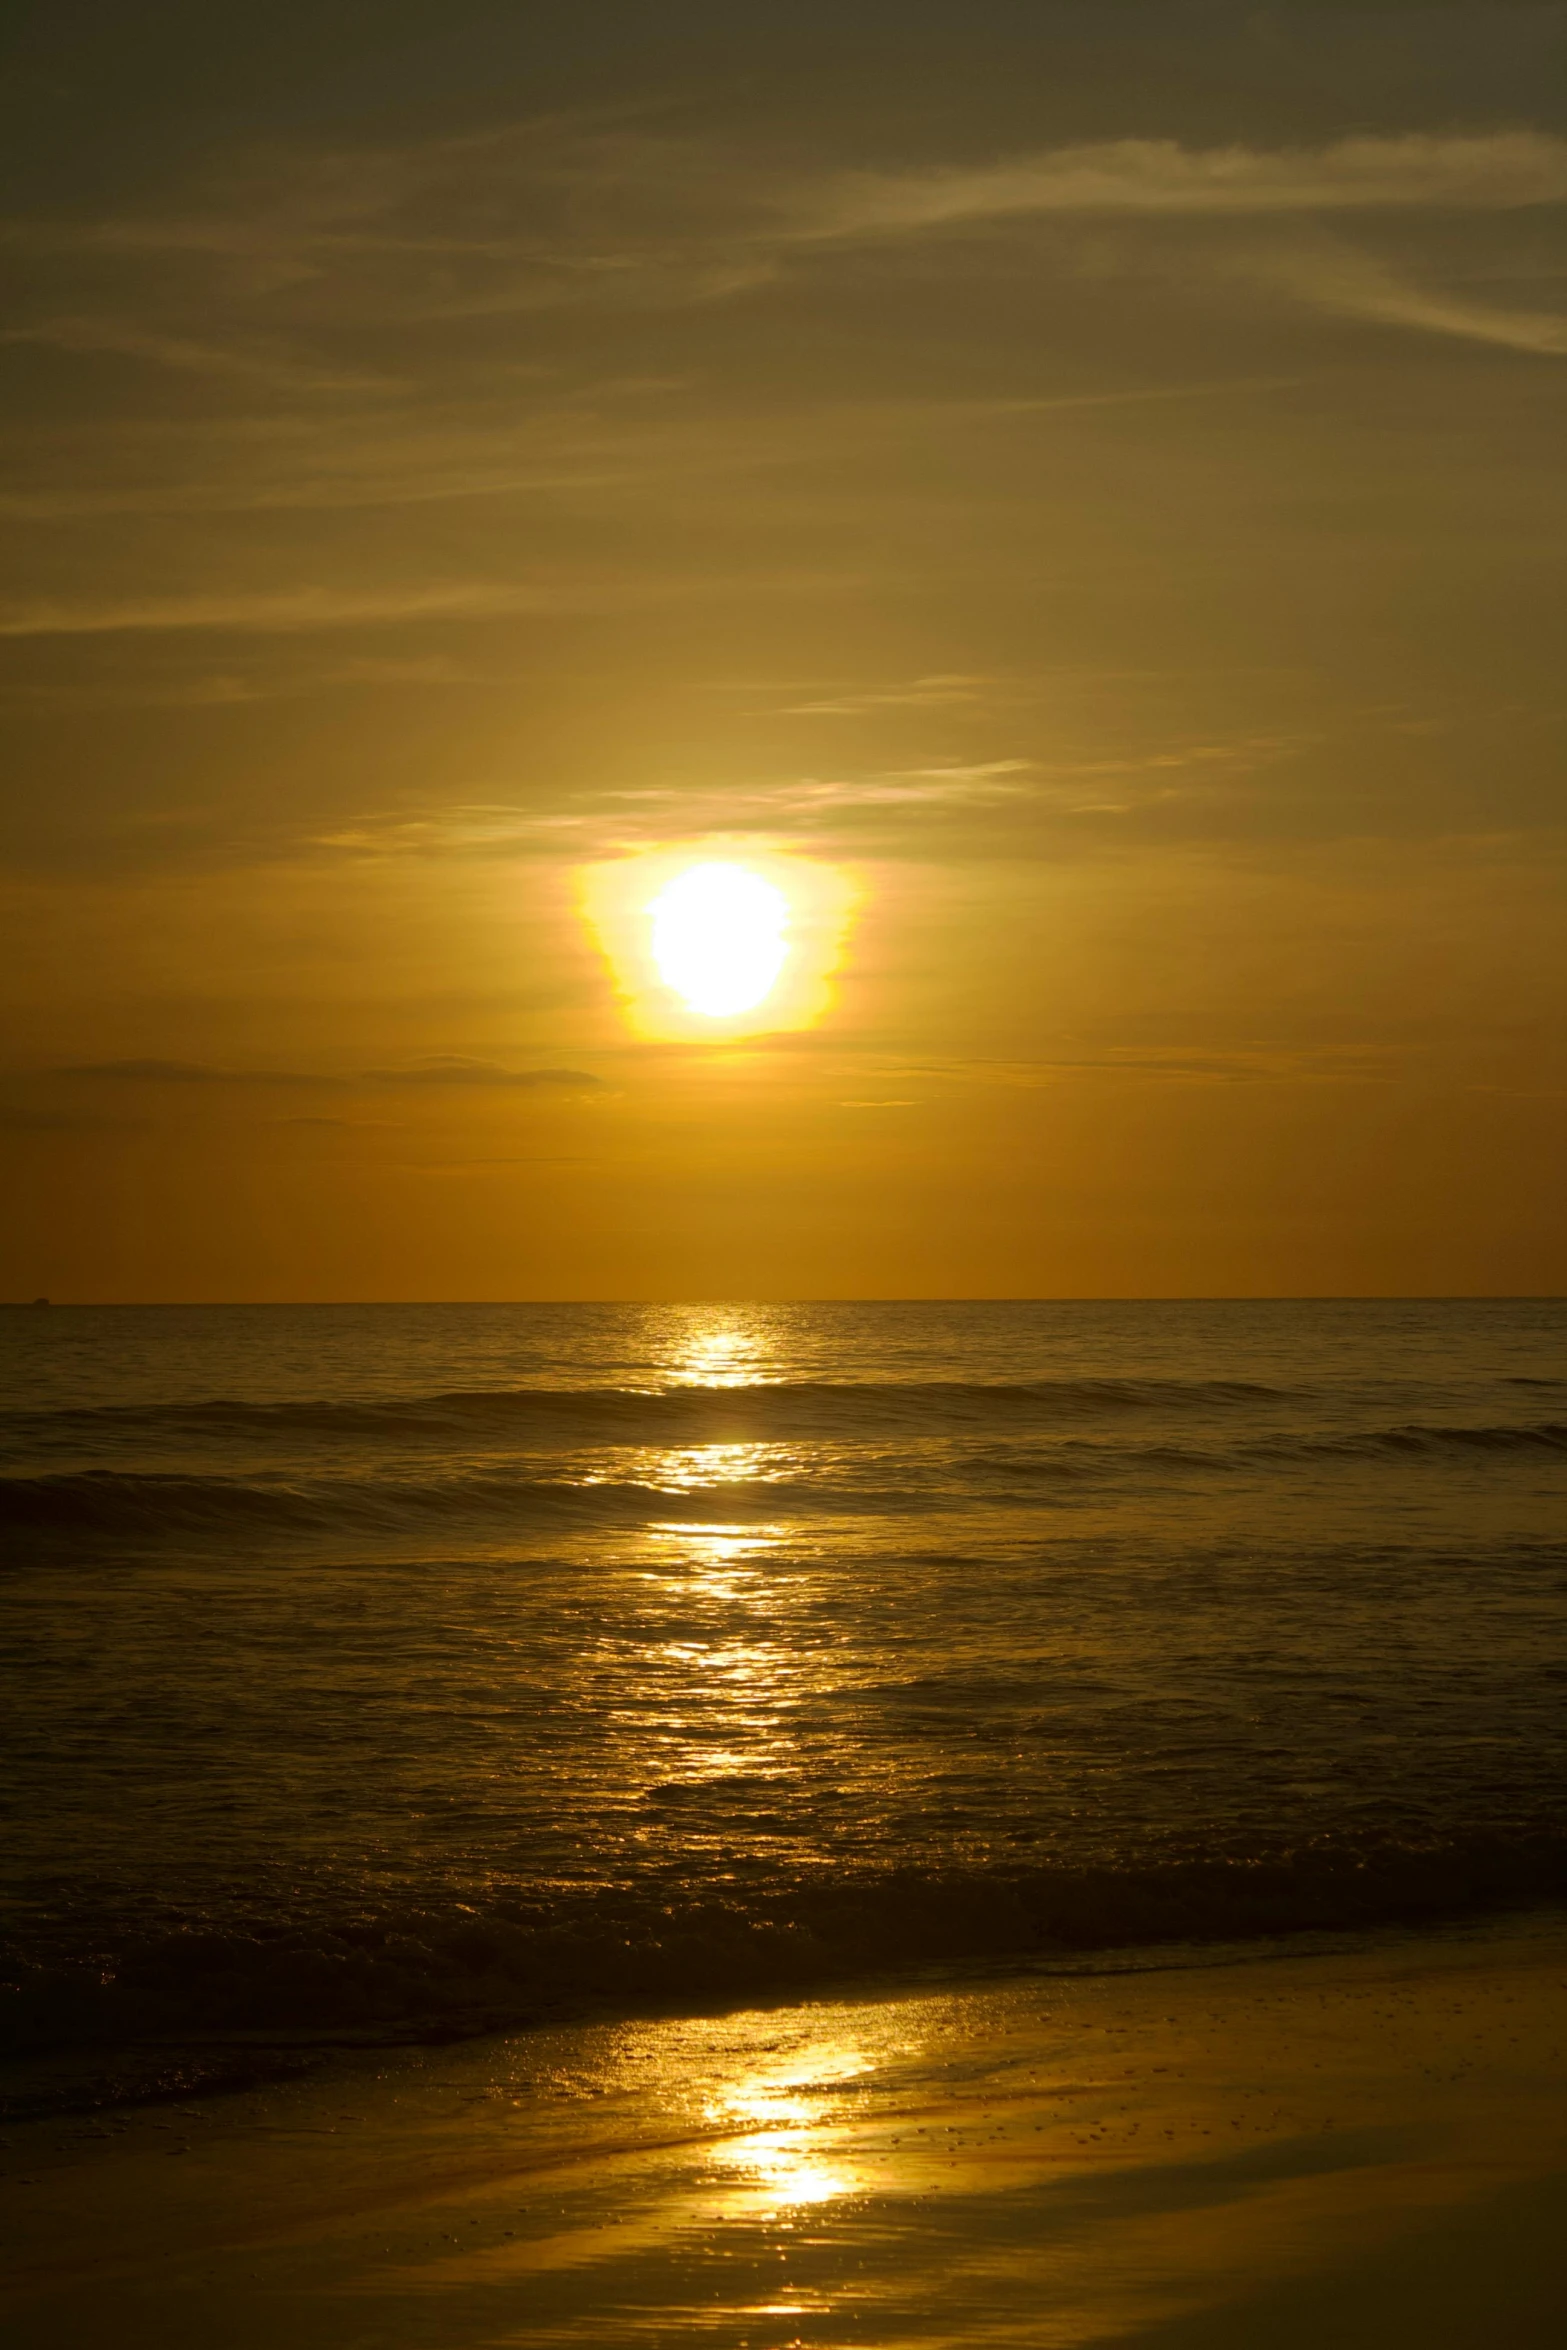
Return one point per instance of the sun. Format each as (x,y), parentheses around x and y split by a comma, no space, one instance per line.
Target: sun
(720,938)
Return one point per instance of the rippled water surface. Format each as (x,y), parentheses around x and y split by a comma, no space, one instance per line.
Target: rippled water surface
(410,1664)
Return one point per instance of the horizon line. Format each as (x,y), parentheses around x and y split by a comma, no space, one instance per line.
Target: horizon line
(1127,1298)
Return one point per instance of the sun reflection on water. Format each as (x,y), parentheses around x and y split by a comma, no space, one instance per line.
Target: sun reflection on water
(788,2159)
(714,1562)
(724,1673)
(718,1690)
(725,1349)
(689,1468)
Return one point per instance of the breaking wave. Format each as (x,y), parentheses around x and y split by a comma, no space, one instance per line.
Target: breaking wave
(651,1415)
(434,1973)
(145,1504)
(135,1505)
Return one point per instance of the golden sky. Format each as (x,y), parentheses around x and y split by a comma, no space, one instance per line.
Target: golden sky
(1077,492)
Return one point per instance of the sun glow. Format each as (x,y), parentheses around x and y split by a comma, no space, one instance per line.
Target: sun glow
(706,943)
(720,938)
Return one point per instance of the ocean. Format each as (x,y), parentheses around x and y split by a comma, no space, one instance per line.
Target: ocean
(406,1671)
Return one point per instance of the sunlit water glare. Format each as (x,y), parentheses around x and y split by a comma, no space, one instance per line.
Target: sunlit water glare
(423,1662)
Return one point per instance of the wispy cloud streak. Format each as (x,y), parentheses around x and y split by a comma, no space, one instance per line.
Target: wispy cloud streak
(1498,171)
(440,1069)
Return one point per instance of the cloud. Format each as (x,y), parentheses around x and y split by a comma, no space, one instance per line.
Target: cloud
(126,339)
(597,825)
(26,1121)
(436,1069)
(898,810)
(455,439)
(1154,180)
(293,274)
(455,452)
(809,795)
(527,216)
(921,693)
(458,1069)
(311,608)
(1354,284)
(266,679)
(154,1072)
(551,215)
(299,610)
(486,830)
(1256,1065)
(1496,171)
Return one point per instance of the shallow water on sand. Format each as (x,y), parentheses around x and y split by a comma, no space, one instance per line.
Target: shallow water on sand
(412,1667)
(1361,2149)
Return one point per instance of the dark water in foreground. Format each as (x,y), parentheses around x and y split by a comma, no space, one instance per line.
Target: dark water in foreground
(414,1668)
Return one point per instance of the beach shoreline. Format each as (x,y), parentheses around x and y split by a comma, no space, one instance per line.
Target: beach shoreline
(85,2076)
(1137,2151)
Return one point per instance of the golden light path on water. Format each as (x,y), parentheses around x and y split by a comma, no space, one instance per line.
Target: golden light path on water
(718,1701)
(721,1669)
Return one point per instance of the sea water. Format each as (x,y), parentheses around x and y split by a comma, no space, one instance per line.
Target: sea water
(411,1669)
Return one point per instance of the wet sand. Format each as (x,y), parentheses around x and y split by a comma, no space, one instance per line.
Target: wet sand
(1361,2147)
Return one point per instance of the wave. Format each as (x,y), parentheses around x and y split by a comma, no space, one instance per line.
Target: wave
(637,1415)
(441,1971)
(109,1502)
(149,1504)
(1410,1441)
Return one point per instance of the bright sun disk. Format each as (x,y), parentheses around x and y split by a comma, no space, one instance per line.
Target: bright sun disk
(720,938)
